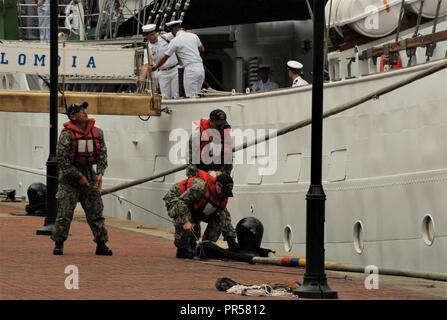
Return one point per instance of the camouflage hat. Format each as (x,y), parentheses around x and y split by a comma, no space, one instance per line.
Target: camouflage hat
(75,108)
(226,182)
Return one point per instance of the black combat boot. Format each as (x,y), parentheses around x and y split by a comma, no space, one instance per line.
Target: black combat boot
(193,246)
(58,249)
(184,253)
(102,249)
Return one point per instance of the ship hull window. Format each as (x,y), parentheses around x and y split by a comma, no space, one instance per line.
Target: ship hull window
(428,230)
(358,237)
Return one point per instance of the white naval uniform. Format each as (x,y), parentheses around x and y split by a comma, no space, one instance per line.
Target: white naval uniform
(299,82)
(260,86)
(43,13)
(167,75)
(186,46)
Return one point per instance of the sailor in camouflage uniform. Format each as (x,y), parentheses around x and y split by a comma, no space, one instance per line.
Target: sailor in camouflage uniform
(80,146)
(200,198)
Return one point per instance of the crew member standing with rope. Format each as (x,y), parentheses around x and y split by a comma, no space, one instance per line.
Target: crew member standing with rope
(187,46)
(80,146)
(168,74)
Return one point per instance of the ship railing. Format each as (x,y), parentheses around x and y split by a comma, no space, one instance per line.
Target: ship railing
(368,61)
(28,18)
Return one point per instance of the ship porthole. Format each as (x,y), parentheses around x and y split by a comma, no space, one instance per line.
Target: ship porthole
(288,238)
(358,237)
(428,230)
(129,215)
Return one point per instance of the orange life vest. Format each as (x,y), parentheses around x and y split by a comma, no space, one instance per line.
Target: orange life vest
(209,203)
(387,64)
(85,147)
(225,141)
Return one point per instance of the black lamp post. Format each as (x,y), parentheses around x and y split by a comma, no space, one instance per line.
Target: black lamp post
(52,171)
(315,282)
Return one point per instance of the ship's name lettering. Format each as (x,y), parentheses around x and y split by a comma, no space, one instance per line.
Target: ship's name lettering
(41,60)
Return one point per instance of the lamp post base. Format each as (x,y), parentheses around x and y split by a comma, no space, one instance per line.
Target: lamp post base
(51,202)
(315,288)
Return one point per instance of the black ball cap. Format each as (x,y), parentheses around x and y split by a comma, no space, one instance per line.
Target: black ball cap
(226,182)
(75,108)
(219,117)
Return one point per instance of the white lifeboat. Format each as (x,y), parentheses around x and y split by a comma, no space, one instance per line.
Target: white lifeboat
(429,8)
(371,18)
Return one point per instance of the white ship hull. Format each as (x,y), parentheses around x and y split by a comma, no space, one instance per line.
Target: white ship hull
(384,165)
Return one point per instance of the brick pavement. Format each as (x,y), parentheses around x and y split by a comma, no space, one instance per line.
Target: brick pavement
(142,267)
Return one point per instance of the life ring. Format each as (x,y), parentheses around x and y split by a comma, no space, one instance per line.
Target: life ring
(386,64)
(72,17)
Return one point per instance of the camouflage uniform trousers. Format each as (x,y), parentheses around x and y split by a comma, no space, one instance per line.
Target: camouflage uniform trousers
(91,202)
(218,223)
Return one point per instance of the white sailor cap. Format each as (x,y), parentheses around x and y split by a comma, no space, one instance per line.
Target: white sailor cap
(148,28)
(294,65)
(170,24)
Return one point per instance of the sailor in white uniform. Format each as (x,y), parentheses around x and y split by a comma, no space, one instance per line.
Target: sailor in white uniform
(187,46)
(43,12)
(264,83)
(294,69)
(168,74)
